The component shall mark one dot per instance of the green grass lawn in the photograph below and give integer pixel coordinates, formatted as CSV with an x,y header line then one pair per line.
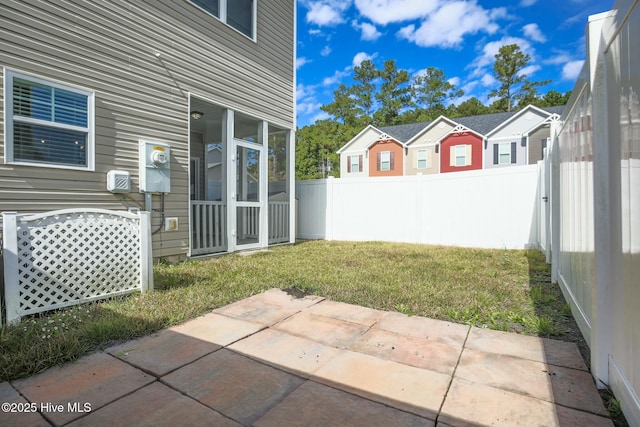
x,y
499,289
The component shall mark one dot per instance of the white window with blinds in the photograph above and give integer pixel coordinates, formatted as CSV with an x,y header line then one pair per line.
x,y
422,159
504,153
461,155
385,160
238,14
47,123
354,163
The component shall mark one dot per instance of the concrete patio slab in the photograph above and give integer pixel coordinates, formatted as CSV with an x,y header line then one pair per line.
x,y
97,379
268,307
325,330
421,327
236,386
472,404
217,329
413,351
15,414
316,405
154,405
162,352
415,390
347,312
555,384
297,355
274,359
553,352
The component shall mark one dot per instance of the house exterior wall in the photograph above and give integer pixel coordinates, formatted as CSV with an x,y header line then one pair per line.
x,y
535,144
397,154
142,60
463,138
358,147
512,131
433,160
518,156
427,140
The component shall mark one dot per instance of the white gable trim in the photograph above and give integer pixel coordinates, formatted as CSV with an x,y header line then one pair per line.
x,y
437,121
517,116
355,138
552,118
384,137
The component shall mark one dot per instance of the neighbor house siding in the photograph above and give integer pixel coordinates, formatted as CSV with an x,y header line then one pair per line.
x,y
535,144
142,59
464,138
357,146
397,152
520,152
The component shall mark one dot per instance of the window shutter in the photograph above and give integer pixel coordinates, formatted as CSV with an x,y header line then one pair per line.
x,y
513,152
348,164
360,163
495,154
469,153
391,160
452,155
378,161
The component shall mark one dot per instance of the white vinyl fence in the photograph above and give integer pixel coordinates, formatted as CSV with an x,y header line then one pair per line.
x,y
67,257
596,202
496,208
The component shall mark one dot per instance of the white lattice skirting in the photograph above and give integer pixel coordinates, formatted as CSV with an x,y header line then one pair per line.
x,y
67,257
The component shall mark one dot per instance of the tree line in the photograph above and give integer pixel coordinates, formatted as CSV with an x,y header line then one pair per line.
x,y
390,96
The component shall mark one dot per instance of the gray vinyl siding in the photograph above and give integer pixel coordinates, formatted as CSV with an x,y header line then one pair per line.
x,y
110,47
535,143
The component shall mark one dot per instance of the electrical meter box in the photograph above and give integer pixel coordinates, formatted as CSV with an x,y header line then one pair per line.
x,y
155,167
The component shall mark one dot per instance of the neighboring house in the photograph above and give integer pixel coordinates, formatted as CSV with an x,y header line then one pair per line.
x,y
386,156
85,82
354,160
509,144
461,150
449,145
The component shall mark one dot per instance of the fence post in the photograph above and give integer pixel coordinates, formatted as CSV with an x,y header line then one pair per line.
x,y
146,259
419,207
10,257
329,213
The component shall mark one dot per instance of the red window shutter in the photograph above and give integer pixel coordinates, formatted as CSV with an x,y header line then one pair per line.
x,y
378,162
360,163
391,160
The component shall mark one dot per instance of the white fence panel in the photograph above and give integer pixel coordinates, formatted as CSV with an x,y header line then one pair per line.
x,y
67,257
489,208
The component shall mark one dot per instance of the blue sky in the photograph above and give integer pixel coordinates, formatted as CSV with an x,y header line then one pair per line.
x,y
460,37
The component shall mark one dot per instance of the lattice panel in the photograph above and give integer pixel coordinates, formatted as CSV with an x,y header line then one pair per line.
x,y
68,258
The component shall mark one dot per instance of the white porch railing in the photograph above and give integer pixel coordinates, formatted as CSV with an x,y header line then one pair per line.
x,y
278,222
209,227
71,256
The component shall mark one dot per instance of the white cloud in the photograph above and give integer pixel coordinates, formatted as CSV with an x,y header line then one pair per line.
x,y
490,50
336,77
326,12
315,32
303,91
571,70
533,32
308,107
559,58
322,115
361,56
529,70
438,30
527,3
301,61
326,51
488,80
367,31
454,81
384,12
